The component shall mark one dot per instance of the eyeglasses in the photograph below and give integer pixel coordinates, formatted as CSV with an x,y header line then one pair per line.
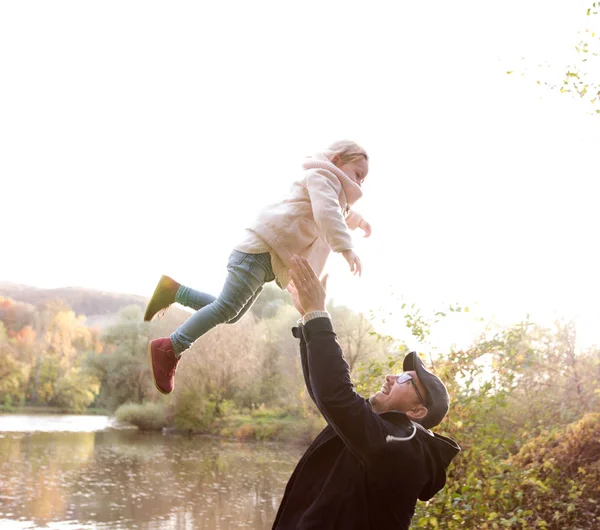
x,y
403,378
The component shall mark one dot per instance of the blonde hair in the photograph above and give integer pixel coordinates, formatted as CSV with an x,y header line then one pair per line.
x,y
347,150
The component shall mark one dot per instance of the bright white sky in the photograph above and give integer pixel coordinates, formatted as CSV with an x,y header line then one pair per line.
x,y
140,138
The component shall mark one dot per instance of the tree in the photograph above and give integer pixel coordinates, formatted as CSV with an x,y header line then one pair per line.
x,y
76,390
225,361
280,382
581,77
12,373
548,380
356,335
122,366
57,338
270,302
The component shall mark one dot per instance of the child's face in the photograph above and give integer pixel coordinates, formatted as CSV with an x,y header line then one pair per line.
x,y
357,169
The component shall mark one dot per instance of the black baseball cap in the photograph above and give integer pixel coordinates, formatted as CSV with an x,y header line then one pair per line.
x,y
437,399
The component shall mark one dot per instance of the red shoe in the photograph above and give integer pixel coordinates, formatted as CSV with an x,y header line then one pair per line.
x,y
162,298
164,363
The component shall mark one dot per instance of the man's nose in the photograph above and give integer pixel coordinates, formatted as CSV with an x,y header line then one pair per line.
x,y
390,378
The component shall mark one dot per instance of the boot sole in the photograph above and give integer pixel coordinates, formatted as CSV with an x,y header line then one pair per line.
x,y
152,370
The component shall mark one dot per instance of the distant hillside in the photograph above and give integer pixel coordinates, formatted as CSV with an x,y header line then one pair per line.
x,y
102,308
82,301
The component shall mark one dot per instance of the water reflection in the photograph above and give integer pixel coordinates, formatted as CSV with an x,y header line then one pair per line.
x,y
126,479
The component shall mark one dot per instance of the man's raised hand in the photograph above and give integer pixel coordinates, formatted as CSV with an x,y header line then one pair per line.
x,y
310,292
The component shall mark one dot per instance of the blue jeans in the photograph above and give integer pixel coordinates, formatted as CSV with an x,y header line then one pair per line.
x,y
247,275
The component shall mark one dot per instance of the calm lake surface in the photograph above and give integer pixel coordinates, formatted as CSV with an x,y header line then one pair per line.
x,y
78,472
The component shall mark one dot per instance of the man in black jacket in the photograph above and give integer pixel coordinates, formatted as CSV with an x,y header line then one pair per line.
x,y
376,457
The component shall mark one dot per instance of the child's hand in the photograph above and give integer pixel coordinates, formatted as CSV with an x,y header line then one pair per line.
x,y
365,227
353,260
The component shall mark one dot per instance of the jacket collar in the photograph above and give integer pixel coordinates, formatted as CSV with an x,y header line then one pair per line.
x,y
351,189
397,418
393,416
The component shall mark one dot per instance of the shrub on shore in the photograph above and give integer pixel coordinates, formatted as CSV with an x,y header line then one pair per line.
x,y
147,416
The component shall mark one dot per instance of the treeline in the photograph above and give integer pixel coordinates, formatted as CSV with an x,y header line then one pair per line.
x,y
49,357
42,353
525,408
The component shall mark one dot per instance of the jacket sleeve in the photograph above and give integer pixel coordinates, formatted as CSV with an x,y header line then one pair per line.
x,y
324,198
361,429
353,219
297,332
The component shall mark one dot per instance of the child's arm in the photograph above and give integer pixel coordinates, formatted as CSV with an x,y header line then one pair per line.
x,y
354,220
327,211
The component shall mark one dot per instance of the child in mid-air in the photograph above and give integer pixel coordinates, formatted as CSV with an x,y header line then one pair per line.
x,y
313,220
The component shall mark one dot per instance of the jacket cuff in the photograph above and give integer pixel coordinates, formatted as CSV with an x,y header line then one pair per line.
x,y
315,326
314,314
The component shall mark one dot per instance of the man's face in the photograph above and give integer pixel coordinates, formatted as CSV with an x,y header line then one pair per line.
x,y
399,396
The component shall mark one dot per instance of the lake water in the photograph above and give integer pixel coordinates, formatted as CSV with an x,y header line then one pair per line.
x,y
78,472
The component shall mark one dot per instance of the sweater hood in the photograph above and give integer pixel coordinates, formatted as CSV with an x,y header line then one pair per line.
x,y
351,189
437,450
441,451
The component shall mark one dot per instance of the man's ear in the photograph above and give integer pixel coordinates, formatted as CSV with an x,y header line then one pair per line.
x,y
417,412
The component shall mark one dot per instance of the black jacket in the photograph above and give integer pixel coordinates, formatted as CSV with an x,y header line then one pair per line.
x,y
355,475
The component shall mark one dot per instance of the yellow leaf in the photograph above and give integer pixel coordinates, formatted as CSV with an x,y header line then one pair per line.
x,y
509,72
433,521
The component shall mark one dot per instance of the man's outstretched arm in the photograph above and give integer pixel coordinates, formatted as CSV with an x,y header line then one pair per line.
x,y
327,373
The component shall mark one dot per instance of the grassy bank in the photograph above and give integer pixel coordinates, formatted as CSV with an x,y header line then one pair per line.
x,y
269,426
257,425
